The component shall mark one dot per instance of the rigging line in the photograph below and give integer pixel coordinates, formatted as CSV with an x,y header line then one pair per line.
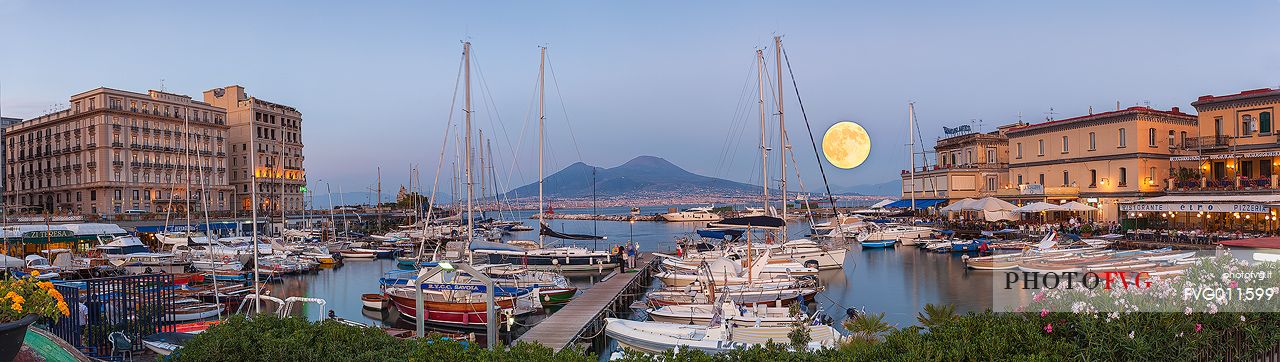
x,y
786,58
488,93
524,128
564,109
431,201
737,110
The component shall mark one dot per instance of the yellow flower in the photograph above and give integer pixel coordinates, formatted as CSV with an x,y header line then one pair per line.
x,y
17,299
17,307
55,294
35,273
62,307
45,285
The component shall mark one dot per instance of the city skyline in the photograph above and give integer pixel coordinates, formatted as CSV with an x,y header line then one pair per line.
x,y
666,79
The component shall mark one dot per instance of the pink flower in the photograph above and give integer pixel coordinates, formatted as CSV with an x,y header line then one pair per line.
x,y
1198,327
1234,284
1038,297
1044,312
1048,328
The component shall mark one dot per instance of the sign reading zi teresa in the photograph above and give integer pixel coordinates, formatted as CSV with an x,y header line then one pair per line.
x,y
1196,207
47,234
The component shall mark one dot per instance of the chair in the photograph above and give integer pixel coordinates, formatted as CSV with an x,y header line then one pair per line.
x,y
120,343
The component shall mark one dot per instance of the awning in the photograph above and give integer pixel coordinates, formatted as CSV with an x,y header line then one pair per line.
x,y
920,203
1255,243
1258,204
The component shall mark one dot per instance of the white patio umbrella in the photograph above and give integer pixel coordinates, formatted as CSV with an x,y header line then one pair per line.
x,y
1077,206
1039,207
959,205
989,204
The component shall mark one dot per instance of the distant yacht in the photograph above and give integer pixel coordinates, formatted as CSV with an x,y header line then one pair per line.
x,y
692,214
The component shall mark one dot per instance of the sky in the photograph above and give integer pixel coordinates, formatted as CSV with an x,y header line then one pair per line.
x,y
376,80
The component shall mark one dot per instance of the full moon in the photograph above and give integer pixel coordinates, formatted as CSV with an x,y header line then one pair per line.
x,y
846,145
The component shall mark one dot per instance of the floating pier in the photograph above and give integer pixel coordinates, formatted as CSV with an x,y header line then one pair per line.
x,y
583,318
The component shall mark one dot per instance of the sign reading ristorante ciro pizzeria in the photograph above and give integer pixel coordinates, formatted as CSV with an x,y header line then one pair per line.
x,y
1196,207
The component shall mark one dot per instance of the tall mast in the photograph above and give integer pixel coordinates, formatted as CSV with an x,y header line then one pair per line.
x,y
466,54
911,148
782,127
764,147
542,93
483,184
253,166
378,204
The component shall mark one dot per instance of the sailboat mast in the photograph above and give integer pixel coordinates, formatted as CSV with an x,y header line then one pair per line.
x,y
253,166
483,184
911,149
764,147
466,54
542,62
782,128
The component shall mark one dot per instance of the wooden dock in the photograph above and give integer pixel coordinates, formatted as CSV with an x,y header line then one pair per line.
x,y
583,318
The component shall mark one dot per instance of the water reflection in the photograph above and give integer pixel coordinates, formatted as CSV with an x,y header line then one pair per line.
x,y
897,281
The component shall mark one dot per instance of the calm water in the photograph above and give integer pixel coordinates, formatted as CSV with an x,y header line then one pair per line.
x,y
897,282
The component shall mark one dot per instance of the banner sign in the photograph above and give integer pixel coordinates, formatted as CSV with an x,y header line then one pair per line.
x,y
48,234
467,287
1227,156
1197,207
961,129
1031,189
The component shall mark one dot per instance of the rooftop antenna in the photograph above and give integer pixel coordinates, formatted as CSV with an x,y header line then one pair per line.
x,y
1049,115
1146,103
162,84
1090,110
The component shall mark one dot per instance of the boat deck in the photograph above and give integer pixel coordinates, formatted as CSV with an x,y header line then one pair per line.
x,y
583,318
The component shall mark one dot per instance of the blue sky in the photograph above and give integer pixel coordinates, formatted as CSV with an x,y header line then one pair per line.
x,y
374,79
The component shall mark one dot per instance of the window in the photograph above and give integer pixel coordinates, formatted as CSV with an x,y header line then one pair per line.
x,y
1066,178
1093,178
1123,142
1172,144
1217,126
1042,179
1041,142
1151,176
1019,150
1124,177
1093,141
1019,179
1246,168
991,183
1264,122
991,155
968,157
1151,137
1183,138
1064,144
1246,126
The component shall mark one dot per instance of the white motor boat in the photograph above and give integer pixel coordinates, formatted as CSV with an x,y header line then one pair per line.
x,y
810,254
692,214
129,252
658,337
703,314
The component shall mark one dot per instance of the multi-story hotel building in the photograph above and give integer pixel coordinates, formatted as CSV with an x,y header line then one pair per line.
x,y
1100,159
972,165
275,131
114,151
1235,147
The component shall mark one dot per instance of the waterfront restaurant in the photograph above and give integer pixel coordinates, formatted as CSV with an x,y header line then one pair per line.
x,y
1247,214
23,240
1234,149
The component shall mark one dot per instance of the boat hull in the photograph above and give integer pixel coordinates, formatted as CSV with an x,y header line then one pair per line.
x,y
871,244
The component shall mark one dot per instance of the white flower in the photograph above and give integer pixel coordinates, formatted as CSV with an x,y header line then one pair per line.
x,y
1242,317
1130,334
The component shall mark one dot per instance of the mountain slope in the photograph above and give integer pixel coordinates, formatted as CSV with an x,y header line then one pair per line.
x,y
643,175
887,188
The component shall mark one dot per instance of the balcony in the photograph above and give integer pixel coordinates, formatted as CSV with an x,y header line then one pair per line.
x,y
91,145
1235,185
117,163
1206,142
90,164
117,144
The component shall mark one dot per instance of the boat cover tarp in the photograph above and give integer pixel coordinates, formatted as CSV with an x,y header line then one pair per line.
x,y
546,231
489,245
727,234
769,222
920,203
